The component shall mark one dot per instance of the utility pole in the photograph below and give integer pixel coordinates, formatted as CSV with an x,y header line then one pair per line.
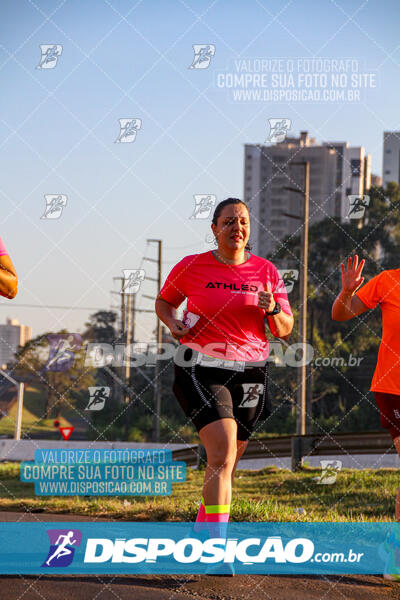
x,y
310,373
130,326
157,375
303,424
127,337
303,421
122,306
20,403
123,333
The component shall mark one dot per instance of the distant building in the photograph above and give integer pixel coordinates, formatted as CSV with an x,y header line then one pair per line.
x,y
12,335
336,171
391,157
376,180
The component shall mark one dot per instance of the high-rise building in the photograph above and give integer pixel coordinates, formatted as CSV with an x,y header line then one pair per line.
x,y
391,157
376,180
336,171
353,174
12,335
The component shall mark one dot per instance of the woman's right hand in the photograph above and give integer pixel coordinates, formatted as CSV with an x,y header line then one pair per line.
x,y
351,277
177,328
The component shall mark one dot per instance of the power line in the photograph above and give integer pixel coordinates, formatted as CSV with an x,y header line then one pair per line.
x,y
112,308
54,306
183,247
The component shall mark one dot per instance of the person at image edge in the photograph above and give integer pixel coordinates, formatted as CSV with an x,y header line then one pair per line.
x,y
8,276
353,300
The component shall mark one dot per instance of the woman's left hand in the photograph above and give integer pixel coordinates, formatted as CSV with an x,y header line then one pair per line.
x,y
266,299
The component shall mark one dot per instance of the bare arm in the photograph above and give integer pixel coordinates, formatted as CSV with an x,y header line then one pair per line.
x,y
167,314
8,277
347,305
281,324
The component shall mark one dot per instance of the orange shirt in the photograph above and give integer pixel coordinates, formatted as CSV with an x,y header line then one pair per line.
x,y
384,289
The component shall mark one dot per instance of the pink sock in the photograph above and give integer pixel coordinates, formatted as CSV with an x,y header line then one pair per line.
x,y
201,517
217,517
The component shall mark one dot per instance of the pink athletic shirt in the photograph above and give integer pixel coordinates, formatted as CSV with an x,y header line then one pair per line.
x,y
231,325
3,250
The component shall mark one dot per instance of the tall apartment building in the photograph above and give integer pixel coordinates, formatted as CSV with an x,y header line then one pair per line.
x,y
336,171
391,157
12,335
376,180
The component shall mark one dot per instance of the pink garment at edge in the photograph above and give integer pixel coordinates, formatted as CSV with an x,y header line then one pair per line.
x,y
231,325
207,516
212,519
3,250
201,515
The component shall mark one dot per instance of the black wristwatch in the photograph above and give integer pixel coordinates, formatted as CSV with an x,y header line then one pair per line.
x,y
276,310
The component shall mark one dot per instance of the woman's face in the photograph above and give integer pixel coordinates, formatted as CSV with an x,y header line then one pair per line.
x,y
233,227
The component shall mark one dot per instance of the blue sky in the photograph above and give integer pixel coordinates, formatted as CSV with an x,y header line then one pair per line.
x,y
130,59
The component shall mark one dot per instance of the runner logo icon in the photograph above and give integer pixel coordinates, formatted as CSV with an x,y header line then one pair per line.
x,y
357,206
50,53
204,203
202,56
251,394
128,130
278,129
55,204
98,396
62,547
62,348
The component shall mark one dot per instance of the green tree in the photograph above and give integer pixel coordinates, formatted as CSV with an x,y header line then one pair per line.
x,y
107,423
65,389
340,393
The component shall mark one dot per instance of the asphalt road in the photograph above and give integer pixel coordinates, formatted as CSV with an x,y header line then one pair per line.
x,y
169,587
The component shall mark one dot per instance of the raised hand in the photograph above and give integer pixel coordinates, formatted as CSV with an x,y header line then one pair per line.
x,y
266,298
351,277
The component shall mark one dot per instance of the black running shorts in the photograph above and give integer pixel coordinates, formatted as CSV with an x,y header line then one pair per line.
x,y
207,394
389,407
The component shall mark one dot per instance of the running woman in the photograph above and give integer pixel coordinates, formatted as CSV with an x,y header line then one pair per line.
x,y
384,289
221,371
8,276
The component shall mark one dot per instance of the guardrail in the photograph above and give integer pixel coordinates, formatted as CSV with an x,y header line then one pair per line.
x,y
297,446
285,446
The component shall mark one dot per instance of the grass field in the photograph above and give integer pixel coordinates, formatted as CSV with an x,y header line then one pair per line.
x,y
33,421
266,495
